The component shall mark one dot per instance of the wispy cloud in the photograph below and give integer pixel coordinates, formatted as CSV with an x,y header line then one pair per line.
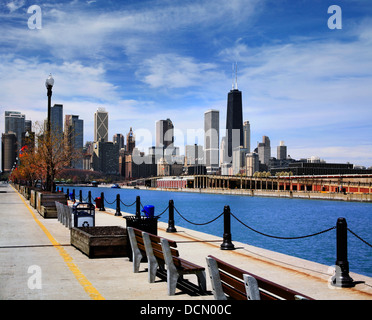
x,y
174,71
15,5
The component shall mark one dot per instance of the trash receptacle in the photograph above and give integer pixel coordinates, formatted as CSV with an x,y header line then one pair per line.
x,y
98,202
71,196
84,214
149,211
146,224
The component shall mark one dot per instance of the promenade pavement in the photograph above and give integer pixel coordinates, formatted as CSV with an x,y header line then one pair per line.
x,y
37,262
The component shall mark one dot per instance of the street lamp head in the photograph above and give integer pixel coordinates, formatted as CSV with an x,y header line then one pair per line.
x,y
49,82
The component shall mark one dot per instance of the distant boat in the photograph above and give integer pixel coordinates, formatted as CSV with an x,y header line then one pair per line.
x,y
115,186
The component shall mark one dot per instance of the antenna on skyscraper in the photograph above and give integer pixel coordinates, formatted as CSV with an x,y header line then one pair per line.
x,y
236,75
232,76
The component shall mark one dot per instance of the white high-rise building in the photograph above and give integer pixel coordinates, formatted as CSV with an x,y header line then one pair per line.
x,y
264,150
251,163
281,151
211,140
247,136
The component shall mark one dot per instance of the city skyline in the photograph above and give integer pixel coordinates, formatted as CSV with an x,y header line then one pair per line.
x,y
301,82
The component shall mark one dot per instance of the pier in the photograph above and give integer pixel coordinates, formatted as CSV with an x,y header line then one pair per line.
x,y
30,244
331,187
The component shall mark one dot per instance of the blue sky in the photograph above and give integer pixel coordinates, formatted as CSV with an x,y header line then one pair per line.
x,y
143,61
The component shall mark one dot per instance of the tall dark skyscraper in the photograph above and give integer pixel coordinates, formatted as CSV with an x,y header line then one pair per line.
x,y
57,119
234,121
164,133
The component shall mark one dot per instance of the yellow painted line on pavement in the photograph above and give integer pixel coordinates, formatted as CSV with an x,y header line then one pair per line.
x,y
84,282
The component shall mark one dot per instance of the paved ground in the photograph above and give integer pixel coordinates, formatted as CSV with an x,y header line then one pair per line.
x,y
38,263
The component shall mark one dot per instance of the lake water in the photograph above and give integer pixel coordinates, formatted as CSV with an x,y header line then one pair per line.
x,y
281,217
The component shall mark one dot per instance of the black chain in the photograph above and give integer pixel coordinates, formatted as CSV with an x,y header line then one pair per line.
x,y
368,244
128,205
110,202
197,224
163,211
285,238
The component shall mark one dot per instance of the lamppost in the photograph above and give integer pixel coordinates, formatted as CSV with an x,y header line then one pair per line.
x,y
49,82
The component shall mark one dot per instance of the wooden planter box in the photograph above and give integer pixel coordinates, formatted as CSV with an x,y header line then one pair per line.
x,y
101,242
45,203
33,198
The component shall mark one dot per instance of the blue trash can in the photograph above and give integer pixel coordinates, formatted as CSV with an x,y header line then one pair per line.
x,y
149,211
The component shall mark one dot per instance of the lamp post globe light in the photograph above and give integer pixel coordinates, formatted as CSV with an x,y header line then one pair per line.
x,y
49,82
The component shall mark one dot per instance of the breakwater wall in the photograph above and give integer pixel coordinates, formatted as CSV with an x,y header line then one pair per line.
x,y
336,196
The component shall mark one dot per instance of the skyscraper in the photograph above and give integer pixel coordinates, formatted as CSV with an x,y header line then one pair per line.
x,y
281,151
234,121
8,151
252,164
131,141
74,131
15,123
247,136
56,119
164,133
28,126
119,140
101,125
211,140
264,150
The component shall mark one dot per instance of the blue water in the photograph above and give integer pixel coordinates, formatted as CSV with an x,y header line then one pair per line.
x,y
274,216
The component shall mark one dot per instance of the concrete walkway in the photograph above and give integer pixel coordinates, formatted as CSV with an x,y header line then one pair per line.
x,y
37,262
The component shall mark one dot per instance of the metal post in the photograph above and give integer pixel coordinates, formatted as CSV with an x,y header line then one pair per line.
x,y
49,182
68,193
341,277
138,207
80,196
118,213
73,195
227,244
102,208
89,197
171,227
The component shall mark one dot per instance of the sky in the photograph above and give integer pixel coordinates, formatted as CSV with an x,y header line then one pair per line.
x,y
302,82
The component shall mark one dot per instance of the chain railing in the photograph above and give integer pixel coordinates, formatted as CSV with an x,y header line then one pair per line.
x,y
340,279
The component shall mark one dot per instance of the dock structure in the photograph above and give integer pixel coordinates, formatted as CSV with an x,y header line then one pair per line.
x,y
38,262
332,187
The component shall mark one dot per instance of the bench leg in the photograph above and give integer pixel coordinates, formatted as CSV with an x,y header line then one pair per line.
x,y
172,278
153,267
137,257
215,279
136,253
152,262
202,281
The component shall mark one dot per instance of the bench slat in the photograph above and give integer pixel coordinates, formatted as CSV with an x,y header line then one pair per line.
x,y
237,284
157,246
156,239
187,265
233,293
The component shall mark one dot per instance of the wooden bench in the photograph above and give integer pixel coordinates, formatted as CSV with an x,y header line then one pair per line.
x,y
163,256
229,282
